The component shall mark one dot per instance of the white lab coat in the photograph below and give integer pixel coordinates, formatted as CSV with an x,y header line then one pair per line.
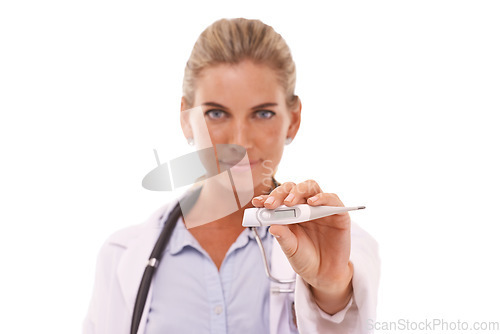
x,y
123,257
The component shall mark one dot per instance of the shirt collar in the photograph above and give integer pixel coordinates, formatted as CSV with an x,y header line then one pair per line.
x,y
180,238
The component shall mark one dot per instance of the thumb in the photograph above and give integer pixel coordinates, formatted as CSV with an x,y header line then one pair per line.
x,y
286,238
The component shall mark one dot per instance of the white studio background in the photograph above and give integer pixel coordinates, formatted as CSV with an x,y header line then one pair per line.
x,y
399,102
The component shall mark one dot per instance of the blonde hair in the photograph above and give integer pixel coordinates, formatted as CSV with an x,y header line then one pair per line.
x,y
233,40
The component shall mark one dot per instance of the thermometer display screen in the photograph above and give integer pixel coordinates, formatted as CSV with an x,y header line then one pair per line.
x,y
282,214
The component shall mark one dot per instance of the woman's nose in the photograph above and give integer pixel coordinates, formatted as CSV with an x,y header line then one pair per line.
x,y
241,135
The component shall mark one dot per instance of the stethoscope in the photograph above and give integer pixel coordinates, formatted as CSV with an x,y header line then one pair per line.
x,y
154,259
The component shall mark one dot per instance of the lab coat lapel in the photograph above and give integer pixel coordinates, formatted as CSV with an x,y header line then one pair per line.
x,y
132,265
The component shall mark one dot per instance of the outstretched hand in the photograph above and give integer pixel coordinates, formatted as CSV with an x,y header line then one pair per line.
x,y
318,250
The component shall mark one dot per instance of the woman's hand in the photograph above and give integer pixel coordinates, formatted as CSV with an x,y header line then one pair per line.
x,y
318,250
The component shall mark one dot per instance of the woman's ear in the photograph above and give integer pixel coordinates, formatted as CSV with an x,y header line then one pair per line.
x,y
186,126
295,112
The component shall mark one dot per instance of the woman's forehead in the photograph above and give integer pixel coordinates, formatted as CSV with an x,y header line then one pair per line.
x,y
242,81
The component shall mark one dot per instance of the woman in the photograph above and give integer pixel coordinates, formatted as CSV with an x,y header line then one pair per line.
x,y
239,90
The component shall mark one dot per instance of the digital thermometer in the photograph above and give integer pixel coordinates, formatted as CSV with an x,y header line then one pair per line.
x,y
284,215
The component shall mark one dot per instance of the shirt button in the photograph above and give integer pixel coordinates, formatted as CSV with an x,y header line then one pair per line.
x,y
218,309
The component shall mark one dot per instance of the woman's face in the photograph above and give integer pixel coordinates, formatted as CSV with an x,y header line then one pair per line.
x,y
244,104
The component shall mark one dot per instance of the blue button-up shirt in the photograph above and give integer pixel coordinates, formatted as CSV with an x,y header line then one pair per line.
x,y
190,295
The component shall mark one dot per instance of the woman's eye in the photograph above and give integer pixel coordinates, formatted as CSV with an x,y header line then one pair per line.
x,y
215,114
265,114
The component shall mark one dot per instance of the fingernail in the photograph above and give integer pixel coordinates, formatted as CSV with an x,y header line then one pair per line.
x,y
290,197
313,199
274,235
269,200
259,198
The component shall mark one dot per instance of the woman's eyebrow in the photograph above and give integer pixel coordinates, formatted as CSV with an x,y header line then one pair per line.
x,y
260,106
265,105
213,104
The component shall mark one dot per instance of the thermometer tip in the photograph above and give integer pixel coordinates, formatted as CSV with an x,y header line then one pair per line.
x,y
361,207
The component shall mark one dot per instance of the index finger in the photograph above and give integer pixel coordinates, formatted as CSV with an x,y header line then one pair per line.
x,y
302,191
278,194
